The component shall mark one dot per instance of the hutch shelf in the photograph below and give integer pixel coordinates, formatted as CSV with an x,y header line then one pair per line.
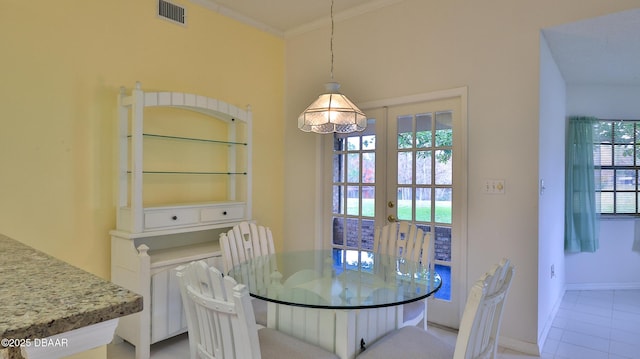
x,y
183,178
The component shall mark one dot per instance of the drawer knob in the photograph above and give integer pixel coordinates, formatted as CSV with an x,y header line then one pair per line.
x,y
224,213
174,218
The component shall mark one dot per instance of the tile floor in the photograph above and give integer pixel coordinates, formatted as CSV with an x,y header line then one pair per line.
x,y
596,324
589,325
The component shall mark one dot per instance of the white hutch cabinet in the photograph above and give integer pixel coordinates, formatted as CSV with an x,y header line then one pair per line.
x,y
183,178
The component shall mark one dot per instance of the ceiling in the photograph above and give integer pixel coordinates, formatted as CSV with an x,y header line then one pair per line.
x,y
602,50
598,51
285,17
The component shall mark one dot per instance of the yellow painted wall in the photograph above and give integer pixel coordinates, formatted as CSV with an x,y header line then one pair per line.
x,y
62,64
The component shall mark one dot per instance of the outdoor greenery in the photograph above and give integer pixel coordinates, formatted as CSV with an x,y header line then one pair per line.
x,y
442,208
615,131
444,138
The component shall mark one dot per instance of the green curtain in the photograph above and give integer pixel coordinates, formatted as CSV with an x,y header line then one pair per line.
x,y
581,215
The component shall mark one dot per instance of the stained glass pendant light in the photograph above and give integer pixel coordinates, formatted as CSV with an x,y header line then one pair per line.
x,y
332,111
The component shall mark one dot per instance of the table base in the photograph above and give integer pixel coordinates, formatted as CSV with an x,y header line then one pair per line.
x,y
337,330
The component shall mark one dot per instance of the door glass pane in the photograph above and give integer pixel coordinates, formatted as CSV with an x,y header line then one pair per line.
x,y
353,143
443,243
369,142
368,232
443,205
352,260
445,273
338,168
353,200
353,168
353,226
423,204
405,200
405,167
368,201
425,228
444,167
423,130
442,246
338,260
338,230
338,199
405,132
368,167
423,167
444,131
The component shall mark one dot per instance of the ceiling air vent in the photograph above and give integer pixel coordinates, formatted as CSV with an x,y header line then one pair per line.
x,y
171,12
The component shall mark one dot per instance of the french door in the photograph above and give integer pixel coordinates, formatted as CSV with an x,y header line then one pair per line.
x,y
408,165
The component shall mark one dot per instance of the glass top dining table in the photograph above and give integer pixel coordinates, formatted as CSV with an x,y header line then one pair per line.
x,y
336,279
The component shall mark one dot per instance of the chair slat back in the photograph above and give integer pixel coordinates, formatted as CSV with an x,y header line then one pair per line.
x,y
404,240
480,325
243,242
219,314
427,253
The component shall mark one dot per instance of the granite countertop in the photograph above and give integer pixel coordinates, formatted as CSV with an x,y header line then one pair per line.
x,y
41,296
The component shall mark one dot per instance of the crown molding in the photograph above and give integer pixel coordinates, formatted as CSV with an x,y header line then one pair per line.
x,y
317,24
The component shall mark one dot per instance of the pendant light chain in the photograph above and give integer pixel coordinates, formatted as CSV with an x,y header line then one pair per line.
x,y
331,41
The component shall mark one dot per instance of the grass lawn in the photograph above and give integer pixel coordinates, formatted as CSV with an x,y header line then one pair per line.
x,y
423,210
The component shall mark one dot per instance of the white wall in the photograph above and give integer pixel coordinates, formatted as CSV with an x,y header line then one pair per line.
x,y
551,197
610,101
417,46
614,265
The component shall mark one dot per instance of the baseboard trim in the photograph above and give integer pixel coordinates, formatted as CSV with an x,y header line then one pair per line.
x,y
519,346
602,286
549,322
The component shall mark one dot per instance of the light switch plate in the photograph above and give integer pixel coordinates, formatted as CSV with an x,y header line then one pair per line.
x,y
493,186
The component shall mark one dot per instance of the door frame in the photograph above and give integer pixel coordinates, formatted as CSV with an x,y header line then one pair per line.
x,y
460,251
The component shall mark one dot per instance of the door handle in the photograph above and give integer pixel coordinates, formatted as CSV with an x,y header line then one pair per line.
x,y
392,218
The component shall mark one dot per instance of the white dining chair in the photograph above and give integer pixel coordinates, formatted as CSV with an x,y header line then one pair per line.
x,y
479,328
407,241
221,321
245,241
